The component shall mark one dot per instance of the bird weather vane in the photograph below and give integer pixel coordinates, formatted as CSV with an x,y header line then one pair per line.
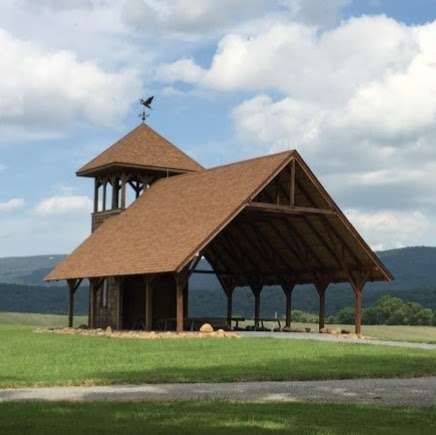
x,y
147,105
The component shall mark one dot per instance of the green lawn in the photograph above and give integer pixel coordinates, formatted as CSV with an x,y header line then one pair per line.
x,y
417,334
211,418
28,358
34,319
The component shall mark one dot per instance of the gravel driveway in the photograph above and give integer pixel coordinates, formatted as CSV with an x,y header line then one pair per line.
x,y
334,338
411,392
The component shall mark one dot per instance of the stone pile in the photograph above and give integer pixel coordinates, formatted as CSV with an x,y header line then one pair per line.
x,y
205,332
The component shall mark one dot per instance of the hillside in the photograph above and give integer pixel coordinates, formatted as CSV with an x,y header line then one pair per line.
x,y
22,289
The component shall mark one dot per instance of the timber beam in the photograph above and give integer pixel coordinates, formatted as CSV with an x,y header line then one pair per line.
x,y
265,207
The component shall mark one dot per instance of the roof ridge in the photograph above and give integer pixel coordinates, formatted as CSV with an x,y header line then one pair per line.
x,y
145,147
252,159
109,147
172,144
215,168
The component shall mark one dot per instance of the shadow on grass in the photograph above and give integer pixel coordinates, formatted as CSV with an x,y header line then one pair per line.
x,y
211,418
277,369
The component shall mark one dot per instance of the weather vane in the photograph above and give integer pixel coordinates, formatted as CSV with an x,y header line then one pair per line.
x,y
147,105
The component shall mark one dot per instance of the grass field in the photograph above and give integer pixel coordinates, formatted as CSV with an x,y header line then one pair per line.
x,y
418,334
212,418
33,319
28,358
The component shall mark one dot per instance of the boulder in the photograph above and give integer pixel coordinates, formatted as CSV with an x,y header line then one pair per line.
x,y
108,330
207,328
334,331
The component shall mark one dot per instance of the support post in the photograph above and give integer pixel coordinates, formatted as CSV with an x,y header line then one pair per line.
x,y
257,290
229,308
292,185
96,189
94,306
148,323
115,185
186,300
321,288
119,323
358,281
90,305
179,303
287,289
123,191
104,195
228,285
95,284
358,311
73,285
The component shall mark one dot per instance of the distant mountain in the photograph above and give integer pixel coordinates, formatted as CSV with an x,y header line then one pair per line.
x,y
414,270
27,270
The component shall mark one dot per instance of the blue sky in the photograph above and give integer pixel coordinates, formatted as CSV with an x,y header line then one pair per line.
x,y
350,84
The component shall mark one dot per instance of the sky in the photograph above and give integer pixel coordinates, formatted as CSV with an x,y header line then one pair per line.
x,y
350,84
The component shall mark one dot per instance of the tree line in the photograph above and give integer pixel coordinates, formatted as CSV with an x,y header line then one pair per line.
x,y
389,310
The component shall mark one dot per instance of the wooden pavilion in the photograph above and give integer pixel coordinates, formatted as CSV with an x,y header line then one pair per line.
x,y
259,222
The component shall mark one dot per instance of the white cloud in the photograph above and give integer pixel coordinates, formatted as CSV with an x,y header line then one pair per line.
x,y
2,167
357,101
316,12
11,205
386,229
63,205
44,89
182,70
61,4
202,18
192,16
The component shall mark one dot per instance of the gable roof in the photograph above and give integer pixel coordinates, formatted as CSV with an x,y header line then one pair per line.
x,y
170,222
142,148
182,215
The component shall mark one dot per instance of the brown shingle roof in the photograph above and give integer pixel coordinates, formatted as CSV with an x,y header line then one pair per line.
x,y
142,147
170,222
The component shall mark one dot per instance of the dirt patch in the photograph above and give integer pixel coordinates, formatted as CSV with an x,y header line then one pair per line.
x,y
146,335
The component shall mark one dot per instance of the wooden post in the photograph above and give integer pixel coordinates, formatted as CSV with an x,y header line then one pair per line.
x,y
94,306
179,303
287,289
95,284
228,285
256,289
96,188
229,308
148,304
292,185
73,285
90,305
119,303
123,191
358,281
358,311
186,300
321,288
115,182
104,195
